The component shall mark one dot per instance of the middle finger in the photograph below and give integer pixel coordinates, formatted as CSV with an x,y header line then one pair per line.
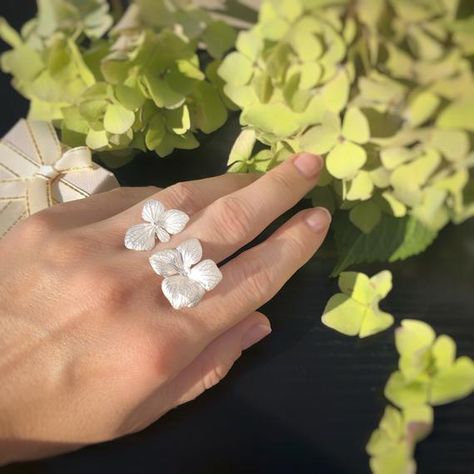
x,y
237,218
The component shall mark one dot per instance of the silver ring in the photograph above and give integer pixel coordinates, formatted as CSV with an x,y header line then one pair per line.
x,y
159,223
186,276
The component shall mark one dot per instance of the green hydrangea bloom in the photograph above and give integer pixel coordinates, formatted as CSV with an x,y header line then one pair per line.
x,y
391,446
356,310
384,89
429,371
142,86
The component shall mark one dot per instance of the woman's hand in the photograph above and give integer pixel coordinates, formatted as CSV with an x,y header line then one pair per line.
x,y
90,349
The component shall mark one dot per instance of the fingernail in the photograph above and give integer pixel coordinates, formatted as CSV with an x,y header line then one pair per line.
x,y
255,334
318,219
308,165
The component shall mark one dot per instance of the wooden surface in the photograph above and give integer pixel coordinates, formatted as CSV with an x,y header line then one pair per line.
x,y
306,399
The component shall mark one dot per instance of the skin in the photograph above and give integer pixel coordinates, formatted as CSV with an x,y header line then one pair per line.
x,y
90,350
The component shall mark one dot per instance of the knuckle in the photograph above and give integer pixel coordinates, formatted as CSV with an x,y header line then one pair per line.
x,y
297,248
213,373
184,196
68,247
259,282
39,224
281,180
233,219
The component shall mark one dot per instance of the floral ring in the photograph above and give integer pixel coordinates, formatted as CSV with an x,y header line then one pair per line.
x,y
159,223
186,277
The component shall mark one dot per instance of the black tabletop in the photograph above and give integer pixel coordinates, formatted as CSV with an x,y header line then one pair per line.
x,y
306,399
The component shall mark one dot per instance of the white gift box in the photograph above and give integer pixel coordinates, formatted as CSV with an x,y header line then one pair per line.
x,y
37,171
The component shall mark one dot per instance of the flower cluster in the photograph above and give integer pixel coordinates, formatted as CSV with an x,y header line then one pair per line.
x,y
383,88
429,374
139,85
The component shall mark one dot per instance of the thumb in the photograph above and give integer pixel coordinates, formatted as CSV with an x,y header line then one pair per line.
x,y
213,364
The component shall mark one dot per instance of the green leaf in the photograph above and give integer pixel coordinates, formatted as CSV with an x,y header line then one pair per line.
x,y
118,119
345,159
417,238
365,216
391,239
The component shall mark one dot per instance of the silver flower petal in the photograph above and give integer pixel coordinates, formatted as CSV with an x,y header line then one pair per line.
x,y
140,237
162,235
207,274
174,221
191,252
182,292
153,211
167,263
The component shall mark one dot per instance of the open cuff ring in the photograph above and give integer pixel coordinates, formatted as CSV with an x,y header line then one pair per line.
x,y
186,277
159,223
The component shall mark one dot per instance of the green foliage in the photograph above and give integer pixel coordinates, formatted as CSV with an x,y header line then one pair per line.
x,y
384,89
356,310
390,239
429,374
141,86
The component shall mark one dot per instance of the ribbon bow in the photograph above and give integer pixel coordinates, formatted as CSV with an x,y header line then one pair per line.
x,y
34,158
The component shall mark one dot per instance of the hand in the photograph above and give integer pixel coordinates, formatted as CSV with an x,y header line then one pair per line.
x,y
90,349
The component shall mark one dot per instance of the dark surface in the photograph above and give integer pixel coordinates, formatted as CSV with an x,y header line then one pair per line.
x,y
306,399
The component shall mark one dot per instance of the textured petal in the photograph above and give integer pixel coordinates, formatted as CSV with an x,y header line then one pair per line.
x,y
207,274
175,221
162,235
182,292
166,262
153,211
191,252
140,237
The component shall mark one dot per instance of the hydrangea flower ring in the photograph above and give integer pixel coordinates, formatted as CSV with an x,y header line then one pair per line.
x,y
186,277
159,223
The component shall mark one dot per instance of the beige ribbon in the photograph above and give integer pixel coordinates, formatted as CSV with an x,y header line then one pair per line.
x,y
32,175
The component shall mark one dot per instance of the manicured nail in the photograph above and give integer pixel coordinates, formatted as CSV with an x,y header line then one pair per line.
x,y
308,165
318,219
255,334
